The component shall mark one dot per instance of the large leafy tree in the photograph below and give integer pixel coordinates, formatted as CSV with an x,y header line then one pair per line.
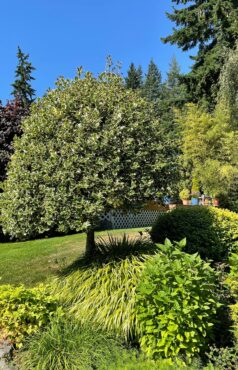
x,y
89,146
211,27
10,126
134,78
22,89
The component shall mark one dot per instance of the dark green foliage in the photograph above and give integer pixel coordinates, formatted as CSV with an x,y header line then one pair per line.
x,y
134,79
212,27
152,84
102,290
22,89
68,345
223,358
174,91
11,116
176,303
211,232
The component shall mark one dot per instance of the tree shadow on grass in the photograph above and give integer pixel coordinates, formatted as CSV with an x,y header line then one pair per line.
x,y
111,249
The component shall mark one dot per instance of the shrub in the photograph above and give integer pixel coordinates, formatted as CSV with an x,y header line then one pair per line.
x,y
232,282
209,231
23,311
103,290
132,361
222,359
68,345
176,304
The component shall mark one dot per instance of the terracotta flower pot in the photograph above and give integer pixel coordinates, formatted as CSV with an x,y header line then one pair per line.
x,y
215,202
206,202
186,202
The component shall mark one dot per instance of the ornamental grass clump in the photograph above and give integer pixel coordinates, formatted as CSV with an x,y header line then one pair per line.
x,y
68,345
176,303
103,290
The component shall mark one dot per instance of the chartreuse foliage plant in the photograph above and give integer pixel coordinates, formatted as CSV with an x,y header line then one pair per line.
x,y
24,311
211,232
103,290
232,282
88,146
207,142
176,303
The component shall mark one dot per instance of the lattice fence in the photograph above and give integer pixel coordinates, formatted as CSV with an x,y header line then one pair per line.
x,y
119,220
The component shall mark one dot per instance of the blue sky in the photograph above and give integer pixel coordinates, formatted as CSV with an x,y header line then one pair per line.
x,y
61,35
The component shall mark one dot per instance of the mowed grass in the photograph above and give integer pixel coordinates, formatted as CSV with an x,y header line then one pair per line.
x,y
34,261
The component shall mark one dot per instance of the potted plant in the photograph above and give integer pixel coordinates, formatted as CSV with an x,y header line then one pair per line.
x,y
172,203
215,200
185,196
195,192
195,200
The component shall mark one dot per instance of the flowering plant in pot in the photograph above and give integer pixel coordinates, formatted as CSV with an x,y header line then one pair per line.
x,y
185,196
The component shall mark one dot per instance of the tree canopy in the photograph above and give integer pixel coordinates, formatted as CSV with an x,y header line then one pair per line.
x,y
209,150
134,78
88,146
152,84
10,126
210,26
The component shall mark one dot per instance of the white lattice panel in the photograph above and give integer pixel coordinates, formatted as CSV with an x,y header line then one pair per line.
x,y
120,220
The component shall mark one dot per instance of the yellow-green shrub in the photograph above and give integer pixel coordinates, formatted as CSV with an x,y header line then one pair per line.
x,y
176,303
232,281
23,311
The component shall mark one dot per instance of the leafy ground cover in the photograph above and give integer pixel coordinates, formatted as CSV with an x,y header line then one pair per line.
x,y
34,261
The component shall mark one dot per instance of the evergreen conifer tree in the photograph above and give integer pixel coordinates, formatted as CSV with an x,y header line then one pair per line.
x,y
22,89
212,27
174,89
134,79
152,84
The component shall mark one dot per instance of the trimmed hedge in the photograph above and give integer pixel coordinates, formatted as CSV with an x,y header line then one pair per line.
x,y
210,231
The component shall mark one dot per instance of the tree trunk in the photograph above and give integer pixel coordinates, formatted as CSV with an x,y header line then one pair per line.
x,y
90,242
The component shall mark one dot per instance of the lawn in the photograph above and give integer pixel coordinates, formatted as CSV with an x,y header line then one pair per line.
x,y
34,261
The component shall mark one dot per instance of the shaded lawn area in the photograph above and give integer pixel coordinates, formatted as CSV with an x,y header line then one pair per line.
x,y
34,261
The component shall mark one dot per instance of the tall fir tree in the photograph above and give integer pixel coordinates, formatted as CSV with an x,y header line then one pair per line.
x,y
153,83
174,88
134,79
22,89
212,27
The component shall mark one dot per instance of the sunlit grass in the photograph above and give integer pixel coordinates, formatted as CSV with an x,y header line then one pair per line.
x,y
34,261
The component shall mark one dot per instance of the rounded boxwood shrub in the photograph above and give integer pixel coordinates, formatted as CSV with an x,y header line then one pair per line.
x,y
176,303
210,231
